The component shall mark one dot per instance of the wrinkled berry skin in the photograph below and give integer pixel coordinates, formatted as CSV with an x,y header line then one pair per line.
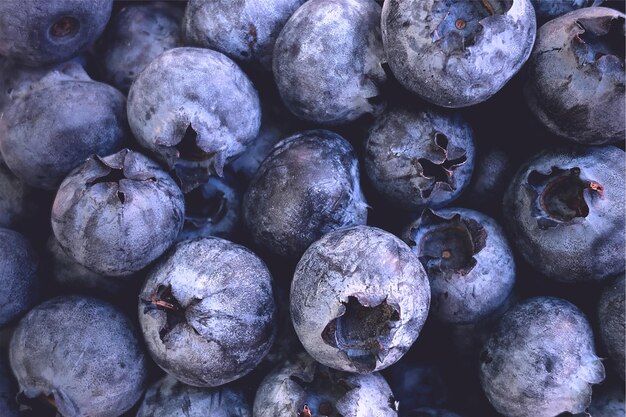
x,y
611,321
37,33
418,159
359,298
457,53
136,36
244,30
307,187
328,61
575,83
549,9
212,209
81,351
19,277
116,214
564,210
63,119
207,312
468,260
325,391
170,398
8,391
539,361
193,130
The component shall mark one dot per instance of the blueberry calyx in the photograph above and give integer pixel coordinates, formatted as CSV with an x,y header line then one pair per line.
x,y
203,208
322,392
65,27
448,244
362,330
599,37
163,299
439,168
559,196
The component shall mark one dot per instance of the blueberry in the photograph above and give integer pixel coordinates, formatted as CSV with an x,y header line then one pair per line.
x,y
539,361
416,384
59,122
245,30
19,275
419,159
38,33
80,354
607,402
170,398
430,412
137,35
549,9
611,321
575,83
564,209
457,53
468,261
307,187
207,312
304,388
328,61
194,130
213,209
8,391
69,274
116,214
359,298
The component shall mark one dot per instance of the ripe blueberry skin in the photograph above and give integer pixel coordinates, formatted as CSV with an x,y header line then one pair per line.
x,y
116,214
549,9
468,260
419,159
207,312
170,398
564,211
19,275
36,33
8,391
328,61
457,55
244,30
194,131
307,187
540,360
300,382
212,209
81,351
575,83
611,321
136,36
359,298
57,123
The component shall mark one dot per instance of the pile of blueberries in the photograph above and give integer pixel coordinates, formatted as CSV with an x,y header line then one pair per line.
x,y
292,208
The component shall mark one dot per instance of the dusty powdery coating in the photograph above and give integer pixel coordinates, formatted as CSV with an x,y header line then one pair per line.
x,y
81,353
195,109
38,33
539,361
328,61
115,215
457,53
359,298
611,321
137,35
468,261
564,209
19,277
170,398
245,30
575,83
212,209
57,123
420,158
303,385
207,312
307,187
549,9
